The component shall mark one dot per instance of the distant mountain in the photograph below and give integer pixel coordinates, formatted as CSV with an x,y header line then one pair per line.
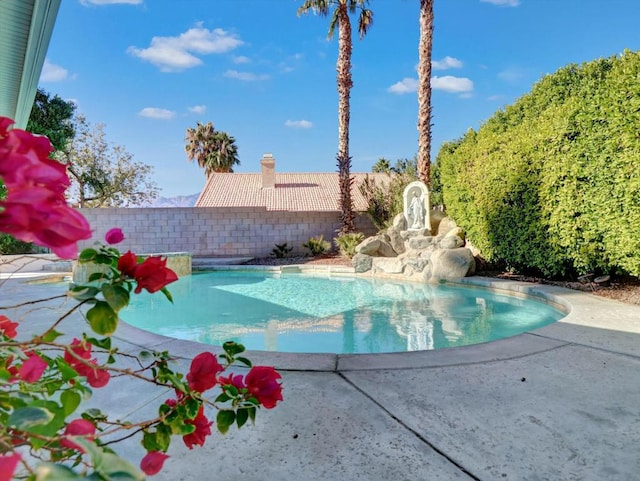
x,y
178,201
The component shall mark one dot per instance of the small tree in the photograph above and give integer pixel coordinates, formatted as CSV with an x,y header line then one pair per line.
x,y
53,117
215,151
103,175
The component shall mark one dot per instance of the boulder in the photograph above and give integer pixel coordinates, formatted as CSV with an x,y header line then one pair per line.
x,y
362,263
451,264
399,222
396,240
388,265
446,224
369,246
420,242
385,249
456,231
451,242
417,263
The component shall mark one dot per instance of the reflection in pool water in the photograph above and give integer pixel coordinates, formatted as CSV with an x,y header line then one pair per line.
x,y
301,313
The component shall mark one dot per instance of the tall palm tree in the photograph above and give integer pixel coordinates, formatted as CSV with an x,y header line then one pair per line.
x,y
424,91
215,151
340,19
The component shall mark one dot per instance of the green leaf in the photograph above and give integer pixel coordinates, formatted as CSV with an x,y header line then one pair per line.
x,y
102,319
233,348
70,401
244,361
252,414
104,343
167,294
82,293
51,336
28,417
97,276
224,420
116,296
54,472
87,255
222,398
241,417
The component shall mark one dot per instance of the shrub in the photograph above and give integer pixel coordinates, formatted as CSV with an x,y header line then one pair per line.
x,y
347,243
281,250
10,245
551,183
317,245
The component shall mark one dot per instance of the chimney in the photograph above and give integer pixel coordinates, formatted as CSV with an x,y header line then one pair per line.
x,y
268,171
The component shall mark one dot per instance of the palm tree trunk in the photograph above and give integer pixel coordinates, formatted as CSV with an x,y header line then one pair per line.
x,y
424,91
344,91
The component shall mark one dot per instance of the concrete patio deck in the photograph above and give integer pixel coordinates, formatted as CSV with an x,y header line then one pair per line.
x,y
557,403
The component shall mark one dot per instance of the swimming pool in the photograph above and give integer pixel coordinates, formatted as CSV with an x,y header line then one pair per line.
x,y
312,313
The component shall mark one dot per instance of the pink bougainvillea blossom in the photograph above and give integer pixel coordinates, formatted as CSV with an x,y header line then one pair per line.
x,y
152,463
128,263
114,236
35,209
153,275
78,427
203,429
7,327
33,368
96,376
236,380
262,383
8,464
203,371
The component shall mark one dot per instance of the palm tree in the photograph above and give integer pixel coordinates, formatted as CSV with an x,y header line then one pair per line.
x,y
340,19
215,151
424,91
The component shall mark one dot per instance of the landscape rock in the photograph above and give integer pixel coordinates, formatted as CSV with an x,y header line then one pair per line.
x,y
451,242
446,225
450,264
420,242
388,265
385,249
369,246
396,240
362,263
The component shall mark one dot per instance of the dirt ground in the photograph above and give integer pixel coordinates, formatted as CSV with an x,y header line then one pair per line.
x,y
623,289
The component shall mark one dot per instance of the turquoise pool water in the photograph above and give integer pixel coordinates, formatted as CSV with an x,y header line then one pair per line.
x,y
301,313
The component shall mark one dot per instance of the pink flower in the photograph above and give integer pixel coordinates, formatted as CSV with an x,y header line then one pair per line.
x,y
203,429
8,462
152,463
234,380
78,427
114,236
128,263
203,371
7,327
32,368
96,376
262,383
80,348
153,275
35,209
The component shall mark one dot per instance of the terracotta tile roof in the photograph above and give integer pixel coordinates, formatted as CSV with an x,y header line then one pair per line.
x,y
298,192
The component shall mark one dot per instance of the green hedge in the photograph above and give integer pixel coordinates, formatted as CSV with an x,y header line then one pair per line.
x,y
552,183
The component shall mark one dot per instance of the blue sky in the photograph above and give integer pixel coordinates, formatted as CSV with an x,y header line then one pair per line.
x,y
149,69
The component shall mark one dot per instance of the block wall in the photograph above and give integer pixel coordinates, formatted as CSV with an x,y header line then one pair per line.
x,y
215,232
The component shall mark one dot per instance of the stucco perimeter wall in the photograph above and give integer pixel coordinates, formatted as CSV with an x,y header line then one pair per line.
x,y
235,231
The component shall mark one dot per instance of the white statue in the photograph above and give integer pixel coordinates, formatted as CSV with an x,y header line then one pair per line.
x,y
416,211
416,206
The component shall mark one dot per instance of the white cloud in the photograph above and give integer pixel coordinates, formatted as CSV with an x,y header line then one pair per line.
x,y
198,109
245,76
52,73
173,54
156,113
405,86
446,63
298,124
241,59
505,3
451,84
110,2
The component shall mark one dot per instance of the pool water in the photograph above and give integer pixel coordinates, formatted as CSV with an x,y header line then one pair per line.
x,y
302,313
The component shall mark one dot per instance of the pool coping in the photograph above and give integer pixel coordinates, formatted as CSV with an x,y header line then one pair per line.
x,y
578,305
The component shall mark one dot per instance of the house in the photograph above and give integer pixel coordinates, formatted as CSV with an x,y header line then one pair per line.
x,y
285,192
